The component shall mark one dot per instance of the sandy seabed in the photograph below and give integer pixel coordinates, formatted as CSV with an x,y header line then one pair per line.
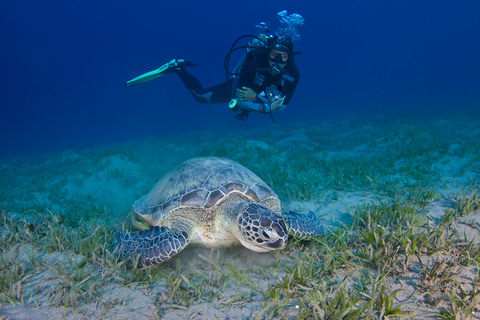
x,y
60,211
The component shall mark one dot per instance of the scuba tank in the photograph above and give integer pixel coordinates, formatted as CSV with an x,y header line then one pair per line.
x,y
259,42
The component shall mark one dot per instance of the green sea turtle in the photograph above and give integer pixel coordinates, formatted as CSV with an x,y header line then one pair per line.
x,y
212,201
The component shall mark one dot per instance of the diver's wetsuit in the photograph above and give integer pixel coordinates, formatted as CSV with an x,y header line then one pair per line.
x,y
215,94
254,74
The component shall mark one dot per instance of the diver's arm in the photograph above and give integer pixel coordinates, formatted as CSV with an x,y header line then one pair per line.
x,y
247,99
261,106
254,106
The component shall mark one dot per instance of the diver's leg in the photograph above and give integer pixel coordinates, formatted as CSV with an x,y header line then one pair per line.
x,y
215,94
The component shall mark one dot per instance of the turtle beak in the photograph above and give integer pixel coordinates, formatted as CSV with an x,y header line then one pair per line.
x,y
281,243
282,234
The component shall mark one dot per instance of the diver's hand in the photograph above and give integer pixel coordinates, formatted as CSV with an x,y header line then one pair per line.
x,y
274,106
246,94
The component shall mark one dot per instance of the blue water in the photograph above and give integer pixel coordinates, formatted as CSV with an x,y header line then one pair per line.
x,y
64,63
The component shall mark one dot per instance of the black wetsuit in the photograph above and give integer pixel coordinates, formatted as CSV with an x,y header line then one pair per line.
x,y
253,74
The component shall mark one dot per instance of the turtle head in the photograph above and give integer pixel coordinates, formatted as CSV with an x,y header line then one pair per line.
x,y
261,229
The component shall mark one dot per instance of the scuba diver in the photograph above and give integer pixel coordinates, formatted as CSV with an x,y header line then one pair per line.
x,y
263,81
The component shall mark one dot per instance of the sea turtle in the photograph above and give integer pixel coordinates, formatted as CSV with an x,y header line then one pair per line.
x,y
213,201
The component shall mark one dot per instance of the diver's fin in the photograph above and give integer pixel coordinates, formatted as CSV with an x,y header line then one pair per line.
x,y
175,64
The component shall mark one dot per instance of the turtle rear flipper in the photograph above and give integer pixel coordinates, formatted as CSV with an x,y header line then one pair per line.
x,y
303,225
154,246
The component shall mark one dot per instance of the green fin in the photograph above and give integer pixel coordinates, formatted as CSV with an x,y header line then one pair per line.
x,y
149,75
175,63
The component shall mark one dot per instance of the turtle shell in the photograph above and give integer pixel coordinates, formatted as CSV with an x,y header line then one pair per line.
x,y
199,185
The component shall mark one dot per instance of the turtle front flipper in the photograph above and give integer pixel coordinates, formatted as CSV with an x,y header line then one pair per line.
x,y
154,246
303,225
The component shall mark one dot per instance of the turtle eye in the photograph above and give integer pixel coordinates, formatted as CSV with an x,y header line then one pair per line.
x,y
269,233
265,235
279,228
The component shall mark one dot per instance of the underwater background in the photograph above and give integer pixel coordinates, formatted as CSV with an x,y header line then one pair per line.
x,y
64,65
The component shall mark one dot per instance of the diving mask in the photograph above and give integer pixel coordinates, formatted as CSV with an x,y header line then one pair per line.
x,y
277,56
